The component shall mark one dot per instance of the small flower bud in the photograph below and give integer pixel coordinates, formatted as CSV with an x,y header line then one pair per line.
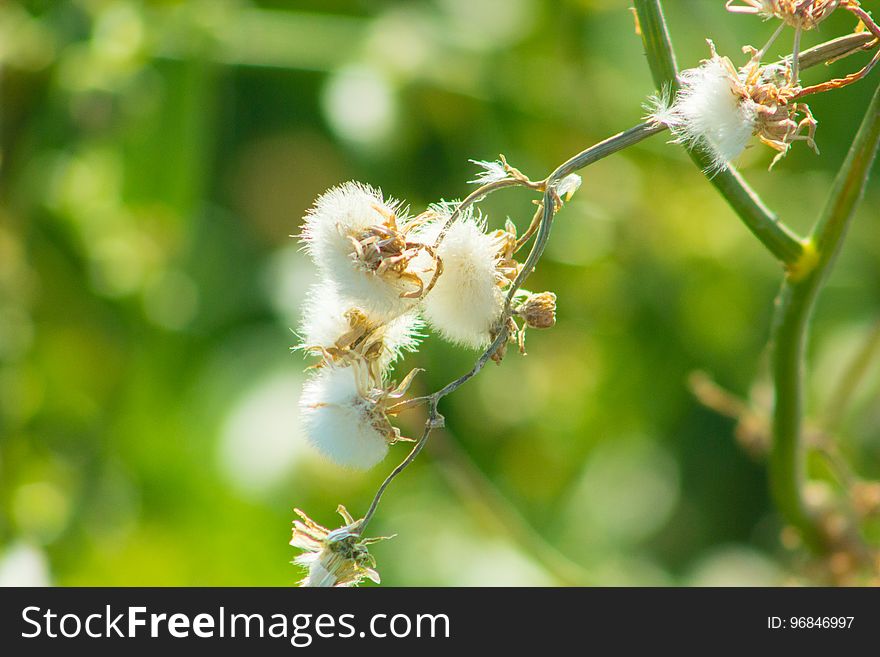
x,y
539,310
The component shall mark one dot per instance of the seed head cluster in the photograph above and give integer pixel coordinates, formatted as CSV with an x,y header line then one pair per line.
x,y
385,277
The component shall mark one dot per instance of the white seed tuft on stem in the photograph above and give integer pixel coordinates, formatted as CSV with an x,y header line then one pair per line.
x,y
358,241
491,172
334,326
343,420
467,300
711,110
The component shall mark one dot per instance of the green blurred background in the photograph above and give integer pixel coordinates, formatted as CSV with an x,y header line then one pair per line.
x,y
156,158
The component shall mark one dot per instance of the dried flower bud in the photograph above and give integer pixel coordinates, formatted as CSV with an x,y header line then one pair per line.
x,y
333,558
720,108
539,310
802,14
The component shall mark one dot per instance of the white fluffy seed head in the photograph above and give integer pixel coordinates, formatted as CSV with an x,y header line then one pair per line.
x,y
709,110
323,316
491,172
466,302
326,320
340,421
399,336
343,216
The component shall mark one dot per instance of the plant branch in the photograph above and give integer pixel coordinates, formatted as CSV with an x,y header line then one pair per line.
x,y
778,239
766,226
794,310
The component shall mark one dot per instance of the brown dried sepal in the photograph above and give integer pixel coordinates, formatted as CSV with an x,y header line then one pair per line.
x,y
384,250
802,14
506,268
772,91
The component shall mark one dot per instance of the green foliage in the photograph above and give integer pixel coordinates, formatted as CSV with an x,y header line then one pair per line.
x,y
156,158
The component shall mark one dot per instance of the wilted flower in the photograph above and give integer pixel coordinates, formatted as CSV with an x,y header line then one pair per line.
x,y
802,14
719,108
336,557
538,310
358,241
345,414
771,90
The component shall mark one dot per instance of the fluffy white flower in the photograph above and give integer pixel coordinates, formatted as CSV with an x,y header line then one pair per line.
x,y
341,420
466,302
329,320
357,240
710,110
348,209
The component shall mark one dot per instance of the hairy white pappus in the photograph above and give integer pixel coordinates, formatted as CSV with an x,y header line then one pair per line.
x,y
708,110
341,233
340,421
328,317
466,301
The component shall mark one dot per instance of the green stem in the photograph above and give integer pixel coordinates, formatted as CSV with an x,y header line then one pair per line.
x,y
766,226
793,312
786,455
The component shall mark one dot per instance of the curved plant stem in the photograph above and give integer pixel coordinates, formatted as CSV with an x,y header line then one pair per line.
x,y
793,312
765,225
